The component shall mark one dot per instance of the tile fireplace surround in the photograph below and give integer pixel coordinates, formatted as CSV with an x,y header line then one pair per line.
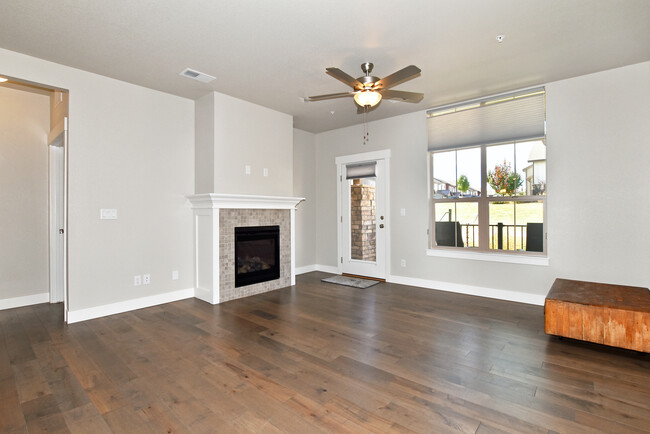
x,y
215,219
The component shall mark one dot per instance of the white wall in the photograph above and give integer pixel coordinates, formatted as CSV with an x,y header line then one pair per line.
x,y
204,149
24,126
598,151
132,149
249,134
304,185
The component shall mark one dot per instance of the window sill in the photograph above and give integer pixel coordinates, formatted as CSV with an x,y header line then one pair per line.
x,y
492,257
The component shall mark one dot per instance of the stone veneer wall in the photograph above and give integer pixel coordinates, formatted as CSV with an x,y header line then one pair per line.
x,y
231,218
362,221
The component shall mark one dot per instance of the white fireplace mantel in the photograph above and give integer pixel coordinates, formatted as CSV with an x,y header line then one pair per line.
x,y
234,201
206,235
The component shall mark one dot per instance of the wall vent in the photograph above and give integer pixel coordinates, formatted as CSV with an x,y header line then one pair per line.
x,y
196,75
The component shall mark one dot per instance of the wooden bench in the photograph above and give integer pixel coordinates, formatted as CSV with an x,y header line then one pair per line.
x,y
613,315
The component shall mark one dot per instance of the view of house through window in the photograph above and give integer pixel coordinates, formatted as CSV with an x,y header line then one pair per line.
x,y
490,197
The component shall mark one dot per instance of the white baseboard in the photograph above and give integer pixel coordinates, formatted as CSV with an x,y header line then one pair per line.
x,y
128,305
499,294
317,267
305,269
26,300
327,269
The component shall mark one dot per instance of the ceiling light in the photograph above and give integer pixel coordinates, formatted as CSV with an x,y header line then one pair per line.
x,y
367,98
2,79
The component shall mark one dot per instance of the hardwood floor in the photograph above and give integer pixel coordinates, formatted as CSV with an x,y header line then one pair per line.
x,y
316,357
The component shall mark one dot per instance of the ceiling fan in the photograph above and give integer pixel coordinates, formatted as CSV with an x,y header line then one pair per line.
x,y
369,90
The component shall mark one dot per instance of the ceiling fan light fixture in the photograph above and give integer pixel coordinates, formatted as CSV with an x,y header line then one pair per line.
x,y
367,98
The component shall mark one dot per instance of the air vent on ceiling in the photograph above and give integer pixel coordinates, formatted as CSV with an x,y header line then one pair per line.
x,y
196,75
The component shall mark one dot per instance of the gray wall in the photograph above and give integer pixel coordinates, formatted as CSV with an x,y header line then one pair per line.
x,y
598,178
231,134
249,134
24,125
132,149
304,185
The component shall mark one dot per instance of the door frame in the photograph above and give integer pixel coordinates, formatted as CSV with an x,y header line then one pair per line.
x,y
364,157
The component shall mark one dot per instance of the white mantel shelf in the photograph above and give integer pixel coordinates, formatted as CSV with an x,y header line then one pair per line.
x,y
235,201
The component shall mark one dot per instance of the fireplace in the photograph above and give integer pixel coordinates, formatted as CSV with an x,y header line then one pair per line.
x,y
257,253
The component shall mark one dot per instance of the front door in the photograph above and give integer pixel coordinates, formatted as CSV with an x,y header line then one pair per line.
x,y
363,218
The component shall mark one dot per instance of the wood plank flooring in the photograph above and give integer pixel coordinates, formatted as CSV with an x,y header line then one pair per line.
x,y
315,357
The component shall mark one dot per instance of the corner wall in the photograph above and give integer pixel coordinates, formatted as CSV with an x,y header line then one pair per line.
x,y
598,146
249,134
304,185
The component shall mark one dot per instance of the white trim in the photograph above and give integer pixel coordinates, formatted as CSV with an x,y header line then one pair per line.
x,y
317,267
292,243
241,201
26,300
363,157
491,257
339,214
306,269
459,288
128,305
327,269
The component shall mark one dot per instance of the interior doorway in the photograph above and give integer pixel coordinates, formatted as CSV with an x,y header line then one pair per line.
x,y
51,143
363,214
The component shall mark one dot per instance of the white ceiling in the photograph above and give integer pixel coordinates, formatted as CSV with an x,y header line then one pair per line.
x,y
274,52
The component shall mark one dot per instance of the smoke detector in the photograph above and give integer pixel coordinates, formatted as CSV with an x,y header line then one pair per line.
x,y
196,75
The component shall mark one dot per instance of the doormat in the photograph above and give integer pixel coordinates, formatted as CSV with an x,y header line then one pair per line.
x,y
354,282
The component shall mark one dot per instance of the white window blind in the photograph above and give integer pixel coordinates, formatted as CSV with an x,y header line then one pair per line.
x,y
508,117
357,171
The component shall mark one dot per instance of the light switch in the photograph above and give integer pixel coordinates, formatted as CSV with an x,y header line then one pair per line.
x,y
402,212
108,214
247,169
265,172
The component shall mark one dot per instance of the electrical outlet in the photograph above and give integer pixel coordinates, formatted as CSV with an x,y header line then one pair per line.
x,y
402,212
403,262
247,169
175,275
137,280
146,279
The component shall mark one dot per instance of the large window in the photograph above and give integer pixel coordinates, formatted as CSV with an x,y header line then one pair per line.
x,y
488,190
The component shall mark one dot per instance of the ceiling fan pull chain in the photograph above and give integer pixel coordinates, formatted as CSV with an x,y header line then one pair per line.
x,y
365,125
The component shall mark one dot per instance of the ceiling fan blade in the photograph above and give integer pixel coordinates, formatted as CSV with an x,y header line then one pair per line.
x,y
398,77
329,96
345,78
401,95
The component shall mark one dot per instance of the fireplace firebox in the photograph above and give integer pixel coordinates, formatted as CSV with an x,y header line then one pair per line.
x,y
257,253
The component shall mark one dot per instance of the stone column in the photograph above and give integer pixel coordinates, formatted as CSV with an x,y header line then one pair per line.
x,y
362,221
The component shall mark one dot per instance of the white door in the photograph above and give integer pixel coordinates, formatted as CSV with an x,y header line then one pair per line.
x,y
56,221
58,151
363,218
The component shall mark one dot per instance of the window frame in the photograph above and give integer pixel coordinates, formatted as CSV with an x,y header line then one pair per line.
x,y
483,251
